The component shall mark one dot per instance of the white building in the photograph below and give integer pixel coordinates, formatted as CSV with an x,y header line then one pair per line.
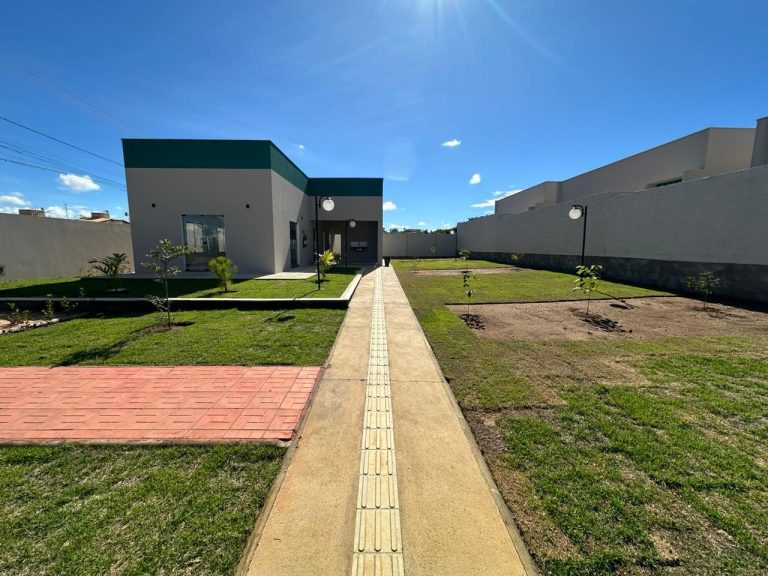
x,y
247,200
709,152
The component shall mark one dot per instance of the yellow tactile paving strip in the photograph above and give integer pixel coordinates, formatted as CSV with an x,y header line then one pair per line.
x,y
378,545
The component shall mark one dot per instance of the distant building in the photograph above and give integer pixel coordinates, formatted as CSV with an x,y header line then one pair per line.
x,y
709,152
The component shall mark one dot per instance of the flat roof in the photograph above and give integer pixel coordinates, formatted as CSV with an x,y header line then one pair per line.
x,y
240,155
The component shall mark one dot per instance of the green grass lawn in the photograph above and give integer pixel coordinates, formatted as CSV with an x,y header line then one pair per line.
x,y
130,510
443,264
291,337
522,285
96,287
615,456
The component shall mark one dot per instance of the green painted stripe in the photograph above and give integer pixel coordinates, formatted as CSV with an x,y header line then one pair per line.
x,y
240,155
237,154
346,187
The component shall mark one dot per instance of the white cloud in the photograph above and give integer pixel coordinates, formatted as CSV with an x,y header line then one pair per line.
x,y
498,195
14,198
388,206
475,178
301,146
451,143
421,223
400,227
7,210
77,183
71,211
56,212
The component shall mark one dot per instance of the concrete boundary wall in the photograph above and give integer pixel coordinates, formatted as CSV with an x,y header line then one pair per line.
x,y
419,244
654,237
33,247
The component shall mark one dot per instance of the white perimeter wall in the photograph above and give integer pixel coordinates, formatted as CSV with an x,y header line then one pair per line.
x,y
417,245
721,219
33,247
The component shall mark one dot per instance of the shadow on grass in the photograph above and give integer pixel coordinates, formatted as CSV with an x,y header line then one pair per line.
x,y
100,354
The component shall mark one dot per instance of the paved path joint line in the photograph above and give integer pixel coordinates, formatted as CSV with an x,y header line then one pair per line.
x,y
378,545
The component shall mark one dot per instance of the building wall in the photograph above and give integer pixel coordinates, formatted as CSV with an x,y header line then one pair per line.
x,y
541,194
648,236
705,153
289,204
35,247
418,245
177,191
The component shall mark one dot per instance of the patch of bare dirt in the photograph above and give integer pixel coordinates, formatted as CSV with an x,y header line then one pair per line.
x,y
477,271
647,318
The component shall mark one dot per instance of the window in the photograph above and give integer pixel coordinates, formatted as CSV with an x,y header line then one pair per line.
x,y
204,235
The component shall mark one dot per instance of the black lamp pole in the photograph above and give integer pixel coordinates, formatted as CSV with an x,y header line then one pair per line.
x,y
583,210
317,238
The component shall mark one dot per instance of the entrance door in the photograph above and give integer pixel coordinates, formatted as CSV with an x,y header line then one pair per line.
x,y
204,236
294,247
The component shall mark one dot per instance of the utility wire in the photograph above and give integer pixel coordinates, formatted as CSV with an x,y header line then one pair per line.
x,y
63,163
57,140
71,98
116,184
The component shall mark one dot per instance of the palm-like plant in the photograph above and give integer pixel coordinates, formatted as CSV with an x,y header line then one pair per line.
x,y
327,261
110,266
224,269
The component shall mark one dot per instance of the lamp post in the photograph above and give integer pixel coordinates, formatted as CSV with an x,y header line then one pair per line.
x,y
328,205
348,223
580,211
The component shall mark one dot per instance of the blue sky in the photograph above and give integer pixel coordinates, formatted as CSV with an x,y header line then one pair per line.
x,y
532,89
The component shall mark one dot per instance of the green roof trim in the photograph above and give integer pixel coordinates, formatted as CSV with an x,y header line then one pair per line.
x,y
346,187
236,154
240,155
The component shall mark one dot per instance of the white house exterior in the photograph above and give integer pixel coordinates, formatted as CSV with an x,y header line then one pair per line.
x,y
247,200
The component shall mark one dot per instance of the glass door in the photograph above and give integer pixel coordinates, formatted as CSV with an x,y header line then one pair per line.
x,y
205,237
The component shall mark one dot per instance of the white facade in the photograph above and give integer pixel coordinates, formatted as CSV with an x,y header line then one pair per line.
x,y
264,216
705,153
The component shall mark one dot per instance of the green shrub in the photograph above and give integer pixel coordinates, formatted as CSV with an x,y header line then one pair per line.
x,y
224,269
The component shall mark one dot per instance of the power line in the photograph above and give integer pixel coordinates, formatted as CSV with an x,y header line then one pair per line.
x,y
64,163
27,75
57,140
112,182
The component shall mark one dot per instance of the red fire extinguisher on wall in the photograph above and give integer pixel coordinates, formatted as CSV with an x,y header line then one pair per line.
x,y
304,239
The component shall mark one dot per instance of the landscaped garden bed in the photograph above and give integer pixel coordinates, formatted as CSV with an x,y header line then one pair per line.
x,y
100,287
644,318
290,337
637,452
90,510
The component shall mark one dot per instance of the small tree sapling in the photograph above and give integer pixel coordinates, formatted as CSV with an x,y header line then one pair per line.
x,y
704,283
588,280
160,258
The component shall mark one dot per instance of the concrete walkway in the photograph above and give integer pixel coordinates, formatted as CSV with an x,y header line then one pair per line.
x,y
430,507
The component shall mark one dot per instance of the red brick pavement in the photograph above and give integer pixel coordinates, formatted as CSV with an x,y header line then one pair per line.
x,y
134,403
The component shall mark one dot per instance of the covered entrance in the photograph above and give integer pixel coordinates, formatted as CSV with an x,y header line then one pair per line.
x,y
356,244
